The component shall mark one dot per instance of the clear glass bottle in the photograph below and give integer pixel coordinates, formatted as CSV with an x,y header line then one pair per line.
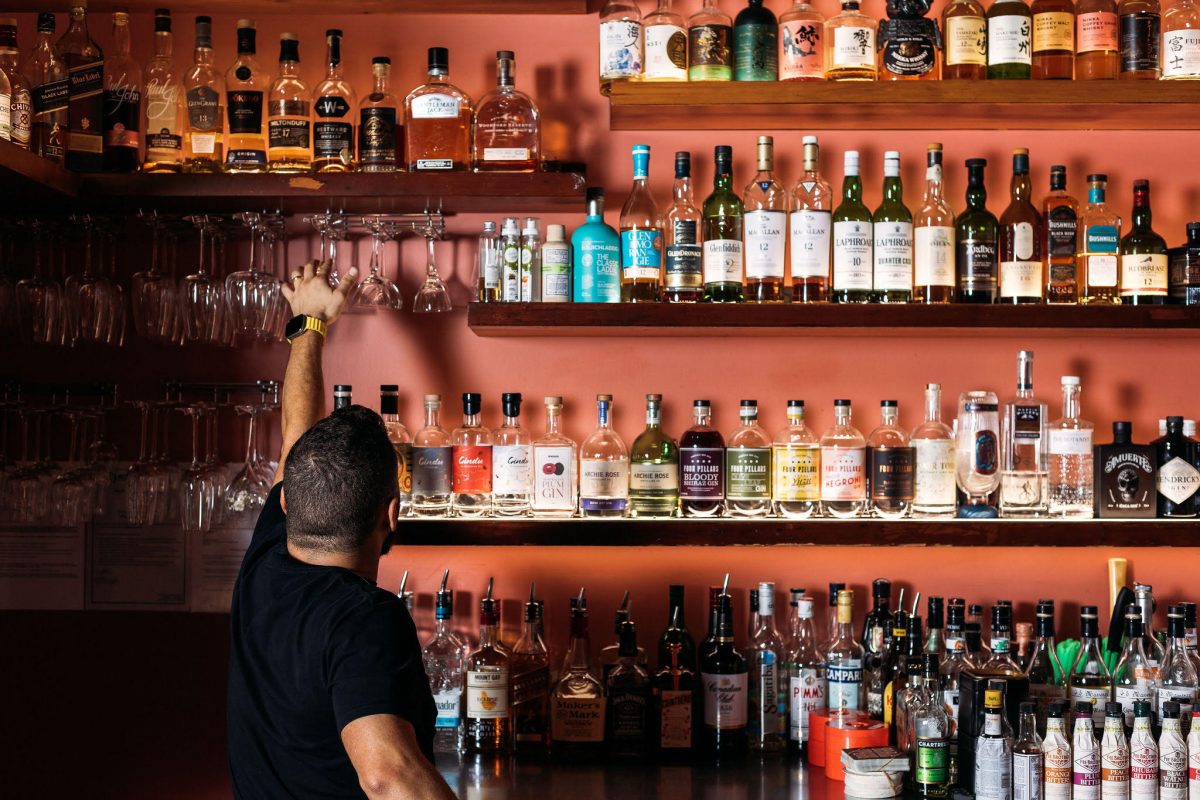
x,y
844,659
843,466
204,98
710,44
628,690
933,455
1001,660
1024,452
993,747
1089,679
164,103
931,736
654,467
801,50
1085,752
1143,755
755,44
796,466
577,707
246,86
1114,755
806,674
950,675
1009,40
1060,211
702,466
622,43
512,462
641,237
472,443
666,44
810,228
389,409
1134,679
1056,753
892,462
1099,241
487,721
1028,762
766,223
443,656
603,467
853,239
892,226
531,684
1045,671
507,133
748,466
1022,279
433,472
289,127
933,238
1143,598
850,45
380,133
1071,479
722,228
555,480
122,101
684,279
977,452
1177,675
487,265
437,121
1181,41
334,106
768,682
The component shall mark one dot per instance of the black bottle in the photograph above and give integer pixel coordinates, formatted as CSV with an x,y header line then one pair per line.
x,y
877,626
628,690
724,684
1125,473
1178,478
673,719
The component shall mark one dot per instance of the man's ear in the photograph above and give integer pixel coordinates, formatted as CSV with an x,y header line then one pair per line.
x,y
393,513
283,500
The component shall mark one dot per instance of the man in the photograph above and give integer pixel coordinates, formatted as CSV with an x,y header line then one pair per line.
x,y
327,693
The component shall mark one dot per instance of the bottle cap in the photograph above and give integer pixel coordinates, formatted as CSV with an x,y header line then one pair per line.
x,y
1057,709
433,400
45,22
1070,380
511,402
888,404
749,404
334,32
604,398
505,55
1141,708
245,24
556,233
594,193
471,402
841,403
1141,184
1030,707
1097,176
439,59
797,405
384,60
162,20
683,164
701,404
1112,709
1083,708
808,140
1170,710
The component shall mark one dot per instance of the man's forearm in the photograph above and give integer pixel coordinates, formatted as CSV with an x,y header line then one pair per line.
x,y
303,392
421,781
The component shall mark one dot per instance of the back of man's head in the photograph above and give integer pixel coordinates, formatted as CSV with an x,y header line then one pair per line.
x,y
338,478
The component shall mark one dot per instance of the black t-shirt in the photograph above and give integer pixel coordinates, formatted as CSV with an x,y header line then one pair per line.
x,y
313,649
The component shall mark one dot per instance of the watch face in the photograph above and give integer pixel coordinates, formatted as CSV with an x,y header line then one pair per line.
x,y
295,327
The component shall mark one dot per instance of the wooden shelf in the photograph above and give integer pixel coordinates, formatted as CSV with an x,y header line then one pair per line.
x,y
908,105
27,179
867,533
319,7
637,319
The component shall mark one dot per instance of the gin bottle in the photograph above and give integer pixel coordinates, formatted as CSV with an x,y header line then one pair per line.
x,y
933,454
531,684
1177,480
443,657
993,748
1056,752
555,485
1085,754
654,467
1028,761
1114,755
768,707
512,461
487,724
796,461
891,469
389,409
806,674
641,236
1023,476
748,466
472,452
1133,678
843,466
1089,680
1172,755
577,705
603,467
1143,598
432,470
1143,755
702,466
1071,478
844,659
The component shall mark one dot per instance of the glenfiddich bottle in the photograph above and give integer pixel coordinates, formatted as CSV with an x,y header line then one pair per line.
x,y
723,254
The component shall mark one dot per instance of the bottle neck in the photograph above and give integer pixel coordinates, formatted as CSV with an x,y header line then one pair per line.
x,y
811,160
682,191
722,182
1083,725
888,416
1028,726
163,45
431,416
852,188
1021,188
504,74
1141,210
579,650
120,35
511,422
1096,193
1071,402
602,414
702,418
471,420
976,191
841,416
488,632
893,190
333,62
553,420
246,44
933,405
382,81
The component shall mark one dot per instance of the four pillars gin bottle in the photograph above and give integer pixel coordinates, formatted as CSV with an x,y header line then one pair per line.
x,y
702,466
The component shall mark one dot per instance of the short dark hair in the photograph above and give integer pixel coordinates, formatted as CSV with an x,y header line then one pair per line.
x,y
337,478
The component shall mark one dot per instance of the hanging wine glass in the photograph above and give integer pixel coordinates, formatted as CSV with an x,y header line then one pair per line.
x,y
8,288
432,297
88,293
151,291
197,492
249,489
38,298
201,294
376,291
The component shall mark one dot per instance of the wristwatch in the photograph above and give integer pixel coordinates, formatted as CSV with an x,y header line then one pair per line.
x,y
302,323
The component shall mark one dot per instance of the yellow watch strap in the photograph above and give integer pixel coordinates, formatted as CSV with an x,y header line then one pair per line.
x,y
314,324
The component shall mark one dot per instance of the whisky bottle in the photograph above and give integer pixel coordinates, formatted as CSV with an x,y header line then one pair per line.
x,y
891,465
933,454
433,472
1125,476
892,227
622,43
843,467
1180,42
755,44
628,691
380,138
20,93
796,461
809,230
512,462
908,43
765,202
289,143
122,102
666,45
976,232
245,89
577,707
1021,242
443,656
1053,40
85,95
853,240
1023,448
768,681
1139,24
1097,54
802,52
531,684
487,719
702,466
965,56
710,44
389,409
596,253
334,105
1009,40
47,74
1088,678
684,252
850,45
164,103
1177,479
472,452
723,234
641,237
204,93
878,627
437,121
1060,212
1099,242
1143,255
603,467
724,679
1184,271
933,238
507,132
748,466
555,481
654,467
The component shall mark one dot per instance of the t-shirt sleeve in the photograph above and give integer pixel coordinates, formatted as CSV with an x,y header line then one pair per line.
x,y
375,665
272,522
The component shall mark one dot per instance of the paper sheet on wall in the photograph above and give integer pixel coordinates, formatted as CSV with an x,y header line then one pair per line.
x,y
41,568
137,568
215,559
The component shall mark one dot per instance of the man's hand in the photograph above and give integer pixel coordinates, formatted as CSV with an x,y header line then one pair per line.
x,y
309,292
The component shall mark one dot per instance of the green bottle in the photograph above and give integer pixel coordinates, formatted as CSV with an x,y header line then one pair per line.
x,y
722,225
1009,40
654,467
755,44
977,233
1143,255
893,231
853,240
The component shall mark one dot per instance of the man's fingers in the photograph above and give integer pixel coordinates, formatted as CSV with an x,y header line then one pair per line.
x,y
309,268
287,292
348,280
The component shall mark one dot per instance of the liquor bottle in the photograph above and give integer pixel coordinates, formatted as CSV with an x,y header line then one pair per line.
x,y
1088,679
831,615
1125,476
654,467
1114,755
432,464
933,238
977,232
1098,243
950,673
510,261
530,684
342,396
853,239
603,467
443,656
675,683
811,220
1133,678
1193,753
289,141
1024,454
1045,671
1053,39
722,229
702,466
596,253
766,223
610,654
472,452
931,737
203,93
806,675
768,682
1001,661
1097,55
577,707
1028,762
801,51
1172,754
507,130
85,62
1184,269
710,44
47,75
1060,212
245,87
965,28
892,224
641,237
1180,45
850,45
666,45
993,747
164,103
905,696
1024,647
1056,753
977,452
1139,24
1143,255
843,466
933,460
1071,487
1177,675
796,464
512,462
380,135
908,44
622,44
1009,40
19,99
935,638
876,639
556,266
487,265
755,44
1085,753
844,659
684,252
122,102
487,721
437,121
555,485
389,409
724,687
1143,755
748,466
892,465
334,104
1021,278
628,690
531,267
1145,604
1178,480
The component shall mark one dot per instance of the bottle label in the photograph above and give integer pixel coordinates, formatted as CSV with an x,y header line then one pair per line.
x,y
950,699
1181,53
487,694
1095,695
1027,776
598,271
1143,768
447,702
910,46
722,261
1127,695
807,695
245,112
654,478
1058,769
933,761
432,470
852,242
1184,695
755,52
1008,40
510,280
122,116
1096,31
725,701
845,681
797,473
620,49
436,106
1020,278
603,484
977,264
1139,40
993,766
893,256
490,259
853,47
748,473
843,473
1144,274
802,50
554,478
50,98
768,719
933,255
288,132
556,272
675,720
810,244
162,120
577,719
1085,775
377,136
627,715
512,468
934,482
966,41
702,473
641,254
709,57
891,473
1114,769
1177,480
1070,442
685,257
334,140
666,53
1101,243
1062,226
472,469
203,110
766,243
404,459
1054,30
86,106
